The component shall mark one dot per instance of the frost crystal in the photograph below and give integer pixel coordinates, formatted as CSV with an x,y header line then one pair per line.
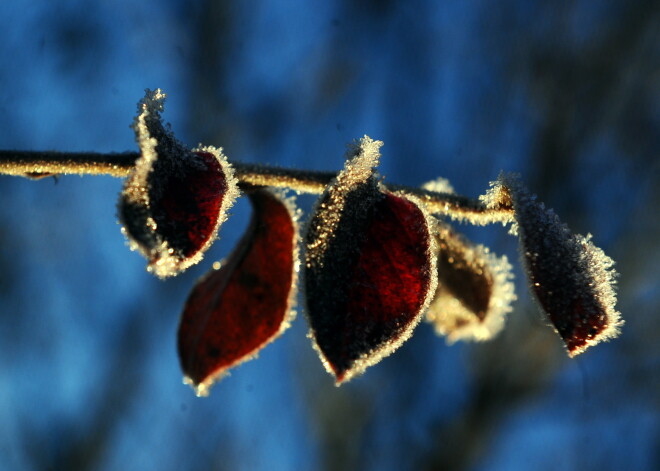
x,y
439,185
572,279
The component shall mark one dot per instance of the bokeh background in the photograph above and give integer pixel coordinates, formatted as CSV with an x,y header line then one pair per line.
x,y
565,92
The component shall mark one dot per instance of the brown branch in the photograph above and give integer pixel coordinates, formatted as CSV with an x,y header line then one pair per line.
x,y
37,164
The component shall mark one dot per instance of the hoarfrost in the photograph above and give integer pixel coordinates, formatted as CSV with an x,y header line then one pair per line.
x,y
439,185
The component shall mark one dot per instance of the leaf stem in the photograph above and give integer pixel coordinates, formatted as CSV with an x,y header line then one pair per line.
x,y
39,164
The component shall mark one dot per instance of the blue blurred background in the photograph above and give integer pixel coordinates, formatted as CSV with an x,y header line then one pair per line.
x,y
566,93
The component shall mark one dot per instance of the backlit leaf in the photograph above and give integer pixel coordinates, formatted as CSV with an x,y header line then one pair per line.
x,y
369,267
234,311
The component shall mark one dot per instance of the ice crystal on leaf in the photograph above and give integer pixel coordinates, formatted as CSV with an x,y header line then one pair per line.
x,y
175,198
236,310
572,279
369,270
439,185
474,291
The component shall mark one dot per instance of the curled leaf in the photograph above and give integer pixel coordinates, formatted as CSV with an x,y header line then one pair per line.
x,y
175,199
474,291
572,279
369,267
236,310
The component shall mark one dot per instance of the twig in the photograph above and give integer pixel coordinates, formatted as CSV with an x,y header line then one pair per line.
x,y
37,164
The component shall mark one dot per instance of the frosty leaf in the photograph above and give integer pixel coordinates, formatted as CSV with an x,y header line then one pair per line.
x,y
234,311
369,267
474,290
572,279
175,199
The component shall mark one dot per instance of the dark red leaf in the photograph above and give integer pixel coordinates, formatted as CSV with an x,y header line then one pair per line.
x,y
474,290
369,269
175,199
234,311
573,280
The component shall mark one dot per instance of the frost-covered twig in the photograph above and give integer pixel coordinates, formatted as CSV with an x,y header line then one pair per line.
x,y
38,164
